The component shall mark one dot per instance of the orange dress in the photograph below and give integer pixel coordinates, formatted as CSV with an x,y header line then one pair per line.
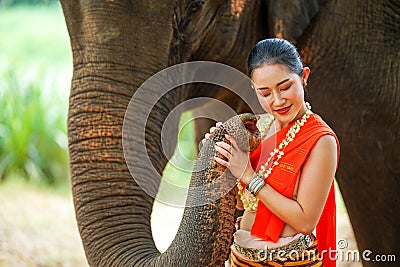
x,y
283,179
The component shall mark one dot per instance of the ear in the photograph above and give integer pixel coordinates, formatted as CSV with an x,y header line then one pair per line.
x,y
305,73
288,19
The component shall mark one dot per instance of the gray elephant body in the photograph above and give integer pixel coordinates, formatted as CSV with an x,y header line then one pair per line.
x,y
351,47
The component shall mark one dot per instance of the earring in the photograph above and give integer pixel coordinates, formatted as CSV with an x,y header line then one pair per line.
x,y
304,83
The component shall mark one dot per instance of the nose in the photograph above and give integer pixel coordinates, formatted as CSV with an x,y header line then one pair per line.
x,y
278,99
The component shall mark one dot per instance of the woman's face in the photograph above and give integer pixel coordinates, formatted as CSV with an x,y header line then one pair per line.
x,y
280,92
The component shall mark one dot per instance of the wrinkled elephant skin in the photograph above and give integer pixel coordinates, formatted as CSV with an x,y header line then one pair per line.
x,y
351,47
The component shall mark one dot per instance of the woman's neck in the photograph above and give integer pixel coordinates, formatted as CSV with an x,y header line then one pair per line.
x,y
280,125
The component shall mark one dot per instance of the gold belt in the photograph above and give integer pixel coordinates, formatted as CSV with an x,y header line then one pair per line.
x,y
299,245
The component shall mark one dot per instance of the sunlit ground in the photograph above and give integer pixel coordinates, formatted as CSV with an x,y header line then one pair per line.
x,y
38,227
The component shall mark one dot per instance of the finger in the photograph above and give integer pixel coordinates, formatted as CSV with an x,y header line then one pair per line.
x,y
232,140
212,129
225,146
224,152
207,136
221,161
218,124
203,141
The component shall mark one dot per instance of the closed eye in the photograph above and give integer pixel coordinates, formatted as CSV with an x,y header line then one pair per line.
x,y
264,93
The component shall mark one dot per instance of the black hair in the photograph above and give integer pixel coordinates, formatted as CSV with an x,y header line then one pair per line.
x,y
274,51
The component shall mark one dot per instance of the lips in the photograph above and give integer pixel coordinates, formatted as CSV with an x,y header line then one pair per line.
x,y
283,110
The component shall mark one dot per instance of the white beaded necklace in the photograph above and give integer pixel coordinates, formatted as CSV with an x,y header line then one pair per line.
x,y
250,202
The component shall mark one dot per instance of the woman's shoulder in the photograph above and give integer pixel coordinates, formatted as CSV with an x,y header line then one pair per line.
x,y
321,123
316,117
327,139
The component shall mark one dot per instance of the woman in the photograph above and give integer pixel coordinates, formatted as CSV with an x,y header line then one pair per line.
x,y
286,184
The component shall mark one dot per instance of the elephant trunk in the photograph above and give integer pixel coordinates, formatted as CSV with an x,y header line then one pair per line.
x,y
112,211
210,212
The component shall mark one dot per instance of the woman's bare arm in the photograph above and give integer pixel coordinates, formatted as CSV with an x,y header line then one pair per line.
x,y
315,181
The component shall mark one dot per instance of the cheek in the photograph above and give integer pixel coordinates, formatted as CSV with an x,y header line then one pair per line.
x,y
263,102
300,93
297,93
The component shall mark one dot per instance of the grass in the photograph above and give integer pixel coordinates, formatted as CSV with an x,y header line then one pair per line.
x,y
35,73
33,140
35,36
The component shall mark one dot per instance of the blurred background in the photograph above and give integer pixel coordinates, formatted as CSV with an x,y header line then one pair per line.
x,y
37,220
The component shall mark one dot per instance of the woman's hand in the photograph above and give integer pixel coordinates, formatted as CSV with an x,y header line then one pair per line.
x,y
237,162
212,129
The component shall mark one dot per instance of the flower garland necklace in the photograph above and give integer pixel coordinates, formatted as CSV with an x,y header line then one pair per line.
x,y
250,202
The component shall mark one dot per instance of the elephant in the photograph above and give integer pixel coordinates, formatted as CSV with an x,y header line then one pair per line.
x,y
350,46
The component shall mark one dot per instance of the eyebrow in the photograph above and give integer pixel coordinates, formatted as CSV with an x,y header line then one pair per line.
x,y
281,82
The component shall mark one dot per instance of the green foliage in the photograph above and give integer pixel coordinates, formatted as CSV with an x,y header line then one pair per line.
x,y
33,141
25,2
35,36
179,168
35,72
